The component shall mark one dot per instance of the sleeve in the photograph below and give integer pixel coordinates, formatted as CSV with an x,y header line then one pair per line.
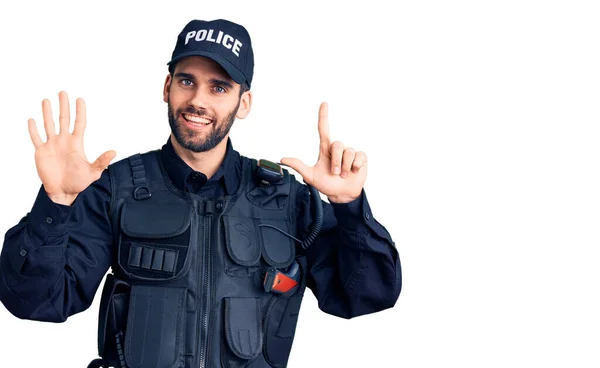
x,y
53,261
353,265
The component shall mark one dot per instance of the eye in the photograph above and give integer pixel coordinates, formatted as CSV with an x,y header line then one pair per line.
x,y
220,89
186,82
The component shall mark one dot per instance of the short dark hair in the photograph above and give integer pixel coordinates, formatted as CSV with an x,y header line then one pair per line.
x,y
243,87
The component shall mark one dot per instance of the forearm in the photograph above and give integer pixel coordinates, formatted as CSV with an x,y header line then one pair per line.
x,y
350,279
30,270
370,276
355,267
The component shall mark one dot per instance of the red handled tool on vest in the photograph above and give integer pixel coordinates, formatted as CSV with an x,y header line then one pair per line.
x,y
279,282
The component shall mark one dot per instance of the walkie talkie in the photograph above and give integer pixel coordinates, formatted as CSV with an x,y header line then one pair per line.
x,y
269,172
278,282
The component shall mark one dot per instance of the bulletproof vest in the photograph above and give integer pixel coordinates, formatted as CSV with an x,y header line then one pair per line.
x,y
187,282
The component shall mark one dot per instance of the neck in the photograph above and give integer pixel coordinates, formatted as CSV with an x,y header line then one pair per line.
x,y
205,162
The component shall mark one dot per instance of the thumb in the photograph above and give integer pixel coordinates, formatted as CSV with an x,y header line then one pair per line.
x,y
104,159
300,167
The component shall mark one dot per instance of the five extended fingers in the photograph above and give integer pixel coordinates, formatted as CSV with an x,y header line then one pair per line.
x,y
64,119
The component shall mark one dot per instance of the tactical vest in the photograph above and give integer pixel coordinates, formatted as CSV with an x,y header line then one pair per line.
x,y
186,288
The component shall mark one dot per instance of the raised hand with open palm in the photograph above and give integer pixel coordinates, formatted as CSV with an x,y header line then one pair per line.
x,y
61,162
340,172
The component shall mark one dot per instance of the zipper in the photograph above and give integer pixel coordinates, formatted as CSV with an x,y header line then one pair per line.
x,y
206,288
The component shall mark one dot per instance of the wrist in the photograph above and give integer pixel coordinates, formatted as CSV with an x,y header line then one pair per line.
x,y
342,199
64,199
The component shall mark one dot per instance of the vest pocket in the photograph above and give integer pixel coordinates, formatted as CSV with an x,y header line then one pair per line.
x,y
155,328
280,326
248,240
278,249
112,319
155,238
242,240
242,319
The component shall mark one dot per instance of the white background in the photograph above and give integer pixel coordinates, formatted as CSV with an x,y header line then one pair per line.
x,y
480,121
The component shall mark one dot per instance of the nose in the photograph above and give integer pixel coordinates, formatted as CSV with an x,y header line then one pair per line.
x,y
200,99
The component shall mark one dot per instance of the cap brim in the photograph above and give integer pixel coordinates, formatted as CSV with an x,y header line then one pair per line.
x,y
233,72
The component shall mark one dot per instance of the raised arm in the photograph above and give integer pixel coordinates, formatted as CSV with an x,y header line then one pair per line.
x,y
53,260
354,266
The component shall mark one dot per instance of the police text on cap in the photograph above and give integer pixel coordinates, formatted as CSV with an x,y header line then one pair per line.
x,y
224,39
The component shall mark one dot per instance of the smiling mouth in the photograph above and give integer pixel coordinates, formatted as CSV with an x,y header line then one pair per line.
x,y
196,121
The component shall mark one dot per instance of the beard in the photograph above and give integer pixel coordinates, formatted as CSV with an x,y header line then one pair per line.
x,y
191,140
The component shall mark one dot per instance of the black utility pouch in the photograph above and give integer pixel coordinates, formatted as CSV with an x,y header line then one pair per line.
x,y
155,238
112,321
243,331
280,328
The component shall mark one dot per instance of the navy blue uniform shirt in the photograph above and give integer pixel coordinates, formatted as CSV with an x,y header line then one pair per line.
x,y
53,261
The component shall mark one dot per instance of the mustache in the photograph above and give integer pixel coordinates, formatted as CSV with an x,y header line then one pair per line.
x,y
192,111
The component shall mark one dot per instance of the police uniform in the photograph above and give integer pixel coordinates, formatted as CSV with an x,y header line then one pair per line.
x,y
195,262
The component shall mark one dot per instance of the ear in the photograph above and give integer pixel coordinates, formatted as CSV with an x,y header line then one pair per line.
x,y
245,105
167,88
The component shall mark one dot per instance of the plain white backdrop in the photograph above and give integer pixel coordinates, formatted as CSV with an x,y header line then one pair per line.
x,y
480,120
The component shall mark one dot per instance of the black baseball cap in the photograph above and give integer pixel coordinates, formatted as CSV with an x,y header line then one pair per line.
x,y
225,42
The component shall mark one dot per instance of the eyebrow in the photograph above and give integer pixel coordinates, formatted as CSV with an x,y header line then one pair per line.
x,y
221,82
186,76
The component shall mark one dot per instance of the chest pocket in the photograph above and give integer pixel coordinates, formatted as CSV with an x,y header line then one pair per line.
x,y
155,239
249,240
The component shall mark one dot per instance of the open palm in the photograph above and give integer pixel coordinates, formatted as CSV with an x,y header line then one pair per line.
x,y
60,161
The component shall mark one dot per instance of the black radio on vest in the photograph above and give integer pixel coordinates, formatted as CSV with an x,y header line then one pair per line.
x,y
202,282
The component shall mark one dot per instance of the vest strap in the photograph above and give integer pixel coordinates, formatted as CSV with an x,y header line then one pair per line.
x,y
141,190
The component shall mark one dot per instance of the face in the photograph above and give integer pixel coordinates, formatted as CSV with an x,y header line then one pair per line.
x,y
203,102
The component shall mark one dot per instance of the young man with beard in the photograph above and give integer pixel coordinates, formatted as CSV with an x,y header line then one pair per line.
x,y
210,251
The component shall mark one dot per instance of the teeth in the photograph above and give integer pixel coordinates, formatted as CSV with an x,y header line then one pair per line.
x,y
197,119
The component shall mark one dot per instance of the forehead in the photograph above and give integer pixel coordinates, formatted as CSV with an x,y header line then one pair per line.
x,y
201,66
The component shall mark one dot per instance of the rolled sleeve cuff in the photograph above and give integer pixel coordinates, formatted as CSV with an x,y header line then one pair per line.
x,y
48,217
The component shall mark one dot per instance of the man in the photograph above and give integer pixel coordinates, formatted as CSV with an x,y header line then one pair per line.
x,y
210,251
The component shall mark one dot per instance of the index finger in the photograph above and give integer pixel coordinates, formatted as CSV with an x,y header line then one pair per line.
x,y
324,127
